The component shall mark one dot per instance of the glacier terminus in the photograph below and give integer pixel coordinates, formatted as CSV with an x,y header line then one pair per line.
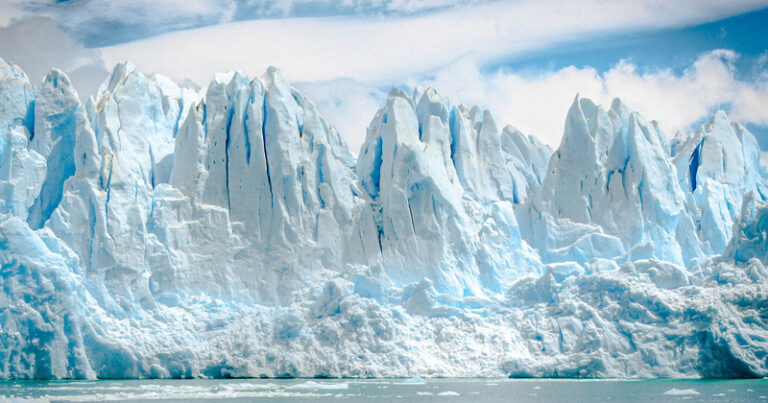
x,y
157,231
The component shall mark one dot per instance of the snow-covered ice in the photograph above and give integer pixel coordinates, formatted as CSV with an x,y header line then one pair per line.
x,y
156,231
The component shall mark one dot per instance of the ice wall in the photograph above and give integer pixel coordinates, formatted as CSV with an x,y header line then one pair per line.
x,y
161,232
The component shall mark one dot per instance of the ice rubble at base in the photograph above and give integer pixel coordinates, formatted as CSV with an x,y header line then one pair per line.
x,y
160,232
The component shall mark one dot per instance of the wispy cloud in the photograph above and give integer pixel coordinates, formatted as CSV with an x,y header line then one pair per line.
x,y
98,23
382,49
102,23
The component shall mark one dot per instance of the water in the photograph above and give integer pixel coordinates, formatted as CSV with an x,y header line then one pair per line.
x,y
389,390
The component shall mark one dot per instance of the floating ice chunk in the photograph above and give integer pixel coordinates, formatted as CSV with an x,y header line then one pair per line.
x,y
681,392
245,386
412,381
311,385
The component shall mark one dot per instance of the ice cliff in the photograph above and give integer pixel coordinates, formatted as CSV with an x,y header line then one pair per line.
x,y
157,231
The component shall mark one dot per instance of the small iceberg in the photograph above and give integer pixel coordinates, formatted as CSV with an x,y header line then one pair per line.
x,y
681,392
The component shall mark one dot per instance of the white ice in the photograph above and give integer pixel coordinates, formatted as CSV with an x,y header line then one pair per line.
x,y
156,231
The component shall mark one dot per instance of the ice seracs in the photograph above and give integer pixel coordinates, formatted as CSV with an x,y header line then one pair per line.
x,y
749,239
443,196
611,191
719,165
22,170
156,231
59,116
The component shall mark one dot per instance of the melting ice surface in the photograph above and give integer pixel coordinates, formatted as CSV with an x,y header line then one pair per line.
x,y
158,232
387,390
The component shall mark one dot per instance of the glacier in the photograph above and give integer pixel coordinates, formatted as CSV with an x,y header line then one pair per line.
x,y
155,231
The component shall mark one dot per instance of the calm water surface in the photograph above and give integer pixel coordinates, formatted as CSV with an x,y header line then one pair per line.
x,y
389,390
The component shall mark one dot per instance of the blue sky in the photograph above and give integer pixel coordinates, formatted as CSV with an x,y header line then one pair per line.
x,y
674,48
676,62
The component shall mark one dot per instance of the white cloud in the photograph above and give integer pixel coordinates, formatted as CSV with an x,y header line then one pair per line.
x,y
102,23
709,83
98,23
380,49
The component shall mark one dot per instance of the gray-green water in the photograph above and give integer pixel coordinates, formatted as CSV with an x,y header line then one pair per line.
x,y
390,390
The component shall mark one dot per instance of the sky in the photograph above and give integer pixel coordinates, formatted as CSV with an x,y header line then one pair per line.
x,y
676,62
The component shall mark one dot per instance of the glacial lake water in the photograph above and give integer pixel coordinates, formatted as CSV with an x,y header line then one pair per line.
x,y
388,390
